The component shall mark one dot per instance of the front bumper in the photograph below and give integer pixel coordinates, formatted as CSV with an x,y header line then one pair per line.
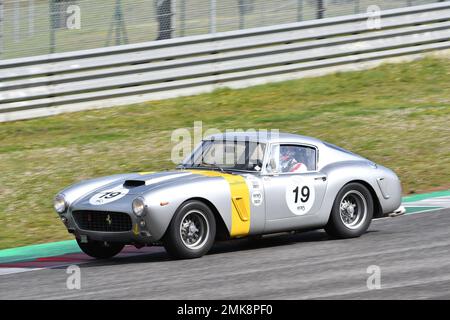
x,y
139,232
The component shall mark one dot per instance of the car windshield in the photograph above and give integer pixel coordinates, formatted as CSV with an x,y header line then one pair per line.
x,y
227,155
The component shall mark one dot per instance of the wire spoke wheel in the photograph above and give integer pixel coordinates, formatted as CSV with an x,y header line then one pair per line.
x,y
194,229
353,209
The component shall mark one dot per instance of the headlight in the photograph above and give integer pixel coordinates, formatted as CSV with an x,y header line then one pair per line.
x,y
60,203
138,206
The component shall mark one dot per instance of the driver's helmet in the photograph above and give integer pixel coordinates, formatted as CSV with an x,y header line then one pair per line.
x,y
289,160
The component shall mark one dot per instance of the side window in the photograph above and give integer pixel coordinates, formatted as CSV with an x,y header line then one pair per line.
x,y
286,158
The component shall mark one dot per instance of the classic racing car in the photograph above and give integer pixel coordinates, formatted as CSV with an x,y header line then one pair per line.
x,y
233,185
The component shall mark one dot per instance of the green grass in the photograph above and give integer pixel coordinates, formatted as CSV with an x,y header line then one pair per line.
x,y
397,115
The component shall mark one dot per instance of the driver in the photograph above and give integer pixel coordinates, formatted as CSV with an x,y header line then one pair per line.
x,y
289,162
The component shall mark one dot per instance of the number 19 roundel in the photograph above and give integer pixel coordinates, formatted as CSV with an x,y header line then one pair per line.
x,y
300,195
107,196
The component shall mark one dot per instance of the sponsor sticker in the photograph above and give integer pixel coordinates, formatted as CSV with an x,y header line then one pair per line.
x,y
254,185
257,197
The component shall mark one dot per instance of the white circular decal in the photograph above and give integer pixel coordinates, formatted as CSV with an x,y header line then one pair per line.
x,y
300,195
257,197
108,196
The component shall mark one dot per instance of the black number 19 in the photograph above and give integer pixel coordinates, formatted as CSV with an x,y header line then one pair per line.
x,y
304,193
110,195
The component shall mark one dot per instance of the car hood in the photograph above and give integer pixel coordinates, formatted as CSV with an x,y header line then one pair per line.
x,y
129,186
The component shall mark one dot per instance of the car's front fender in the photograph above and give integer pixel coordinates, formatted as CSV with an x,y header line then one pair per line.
x,y
162,203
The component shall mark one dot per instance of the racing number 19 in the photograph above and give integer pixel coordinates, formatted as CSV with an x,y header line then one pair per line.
x,y
110,195
304,194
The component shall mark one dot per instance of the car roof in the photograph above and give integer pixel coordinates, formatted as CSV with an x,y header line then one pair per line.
x,y
265,137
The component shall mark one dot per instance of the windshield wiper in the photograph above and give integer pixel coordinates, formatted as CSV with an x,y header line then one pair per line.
x,y
213,165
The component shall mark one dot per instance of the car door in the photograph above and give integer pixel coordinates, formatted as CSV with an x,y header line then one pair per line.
x,y
293,196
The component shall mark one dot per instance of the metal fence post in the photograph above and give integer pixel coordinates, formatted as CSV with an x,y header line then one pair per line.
x,y
16,31
182,17
241,14
30,17
245,7
174,18
320,9
212,16
52,22
299,10
357,6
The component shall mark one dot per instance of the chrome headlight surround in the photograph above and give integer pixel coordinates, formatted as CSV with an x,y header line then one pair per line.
x,y
60,204
138,206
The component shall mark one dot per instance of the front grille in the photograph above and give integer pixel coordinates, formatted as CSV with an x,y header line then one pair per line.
x,y
102,221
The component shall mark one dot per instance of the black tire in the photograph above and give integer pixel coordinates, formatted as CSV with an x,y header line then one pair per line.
x,y
100,249
340,224
181,242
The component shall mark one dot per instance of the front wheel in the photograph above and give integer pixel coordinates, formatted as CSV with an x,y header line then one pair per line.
x,y
191,232
351,213
100,249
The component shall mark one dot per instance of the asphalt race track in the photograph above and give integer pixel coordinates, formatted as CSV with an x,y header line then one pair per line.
x,y
412,251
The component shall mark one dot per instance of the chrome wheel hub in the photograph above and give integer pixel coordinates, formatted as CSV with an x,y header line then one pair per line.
x,y
353,209
348,209
194,229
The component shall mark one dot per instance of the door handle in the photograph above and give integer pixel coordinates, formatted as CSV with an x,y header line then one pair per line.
x,y
323,178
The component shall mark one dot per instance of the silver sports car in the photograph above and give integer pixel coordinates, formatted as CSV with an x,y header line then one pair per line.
x,y
232,185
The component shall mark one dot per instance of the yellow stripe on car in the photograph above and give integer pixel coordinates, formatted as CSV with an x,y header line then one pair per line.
x,y
240,201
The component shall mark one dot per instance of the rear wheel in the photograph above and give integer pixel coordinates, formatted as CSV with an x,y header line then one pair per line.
x,y
100,249
191,232
351,213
